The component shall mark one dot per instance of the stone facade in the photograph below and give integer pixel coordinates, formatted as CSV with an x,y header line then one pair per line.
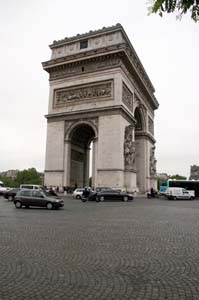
x,y
100,94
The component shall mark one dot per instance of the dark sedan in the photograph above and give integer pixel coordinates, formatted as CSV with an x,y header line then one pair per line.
x,y
37,198
109,195
10,195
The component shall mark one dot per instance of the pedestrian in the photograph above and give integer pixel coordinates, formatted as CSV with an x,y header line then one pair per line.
x,y
65,190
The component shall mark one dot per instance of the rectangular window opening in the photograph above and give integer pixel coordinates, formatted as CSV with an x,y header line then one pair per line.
x,y
83,44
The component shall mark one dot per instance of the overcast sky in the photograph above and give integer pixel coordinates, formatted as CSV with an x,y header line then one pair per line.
x,y
167,48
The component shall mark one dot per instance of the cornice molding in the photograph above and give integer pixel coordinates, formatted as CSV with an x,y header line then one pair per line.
x,y
91,33
113,56
91,113
47,171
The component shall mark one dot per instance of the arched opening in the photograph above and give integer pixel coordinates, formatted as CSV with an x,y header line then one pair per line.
x,y
81,138
138,117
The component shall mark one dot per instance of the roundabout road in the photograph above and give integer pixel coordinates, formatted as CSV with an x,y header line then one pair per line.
x,y
146,249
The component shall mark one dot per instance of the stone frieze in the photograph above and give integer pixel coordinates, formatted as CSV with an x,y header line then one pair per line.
x,y
102,90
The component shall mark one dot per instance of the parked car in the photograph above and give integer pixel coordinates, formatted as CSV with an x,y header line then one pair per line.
x,y
109,195
174,193
102,188
32,186
10,194
37,198
77,193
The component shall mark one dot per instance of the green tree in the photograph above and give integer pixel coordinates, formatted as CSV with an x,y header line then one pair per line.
x,y
28,176
9,182
179,177
181,6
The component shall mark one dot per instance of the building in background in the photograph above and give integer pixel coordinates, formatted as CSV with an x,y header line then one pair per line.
x,y
9,174
194,172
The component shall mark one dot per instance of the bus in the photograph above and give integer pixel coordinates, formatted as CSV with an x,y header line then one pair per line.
x,y
190,185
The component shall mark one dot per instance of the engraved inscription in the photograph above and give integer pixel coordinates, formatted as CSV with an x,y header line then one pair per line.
x,y
100,90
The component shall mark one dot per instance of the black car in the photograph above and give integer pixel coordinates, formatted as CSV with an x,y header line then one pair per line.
x,y
40,198
10,195
109,195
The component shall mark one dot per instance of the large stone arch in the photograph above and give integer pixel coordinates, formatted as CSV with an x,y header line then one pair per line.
x,y
100,92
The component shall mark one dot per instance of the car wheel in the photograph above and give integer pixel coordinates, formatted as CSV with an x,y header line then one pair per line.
x,y
192,198
78,197
125,199
49,205
10,198
18,204
97,199
174,198
101,198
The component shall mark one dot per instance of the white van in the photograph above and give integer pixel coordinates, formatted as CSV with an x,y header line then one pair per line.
x,y
3,189
173,193
31,186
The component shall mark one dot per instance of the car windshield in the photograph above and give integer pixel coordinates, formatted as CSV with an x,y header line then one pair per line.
x,y
48,194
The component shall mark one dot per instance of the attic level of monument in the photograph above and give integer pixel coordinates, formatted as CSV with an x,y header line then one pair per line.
x,y
109,48
100,95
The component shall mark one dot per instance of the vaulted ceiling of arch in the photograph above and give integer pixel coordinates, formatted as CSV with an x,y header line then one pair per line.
x,y
82,135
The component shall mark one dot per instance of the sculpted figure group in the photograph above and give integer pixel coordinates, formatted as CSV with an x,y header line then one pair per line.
x,y
153,161
129,148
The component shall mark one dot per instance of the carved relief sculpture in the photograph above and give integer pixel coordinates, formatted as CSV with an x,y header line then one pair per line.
x,y
93,91
129,148
150,126
153,161
127,97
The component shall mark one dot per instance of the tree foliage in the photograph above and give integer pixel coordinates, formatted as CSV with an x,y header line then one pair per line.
x,y
179,177
29,176
181,6
8,181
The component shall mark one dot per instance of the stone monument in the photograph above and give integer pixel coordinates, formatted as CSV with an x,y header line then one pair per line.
x,y
100,95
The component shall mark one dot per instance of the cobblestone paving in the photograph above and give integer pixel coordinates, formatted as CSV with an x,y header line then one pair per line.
x,y
144,249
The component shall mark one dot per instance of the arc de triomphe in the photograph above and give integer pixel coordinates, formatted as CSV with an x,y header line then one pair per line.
x,y
100,95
